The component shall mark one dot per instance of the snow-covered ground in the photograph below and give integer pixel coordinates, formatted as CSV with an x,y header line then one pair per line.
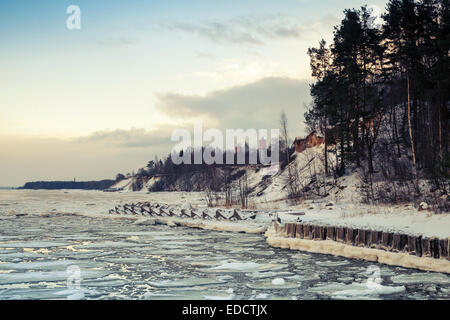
x,y
124,185
399,218
341,207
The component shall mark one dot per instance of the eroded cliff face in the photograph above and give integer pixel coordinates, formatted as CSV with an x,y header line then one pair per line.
x,y
310,141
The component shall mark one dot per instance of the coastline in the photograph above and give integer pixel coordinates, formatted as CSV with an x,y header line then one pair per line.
x,y
225,226
275,238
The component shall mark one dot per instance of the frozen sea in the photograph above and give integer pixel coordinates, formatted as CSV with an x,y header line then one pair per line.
x,y
62,245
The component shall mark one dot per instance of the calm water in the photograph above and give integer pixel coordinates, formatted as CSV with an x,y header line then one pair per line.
x,y
89,257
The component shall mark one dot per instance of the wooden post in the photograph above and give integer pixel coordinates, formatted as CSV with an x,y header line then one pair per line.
x,y
299,231
331,233
443,249
361,239
375,239
341,234
351,235
426,251
434,248
307,231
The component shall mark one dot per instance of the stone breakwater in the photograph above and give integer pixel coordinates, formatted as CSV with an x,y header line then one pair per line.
x,y
160,210
205,218
404,250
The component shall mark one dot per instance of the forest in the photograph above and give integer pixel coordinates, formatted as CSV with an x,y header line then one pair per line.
x,y
381,94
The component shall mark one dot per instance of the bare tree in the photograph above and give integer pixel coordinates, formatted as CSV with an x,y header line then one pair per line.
x,y
285,139
411,137
243,190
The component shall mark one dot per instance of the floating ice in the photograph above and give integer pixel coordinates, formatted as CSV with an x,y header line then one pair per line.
x,y
22,255
246,267
110,244
437,278
186,282
77,294
106,283
84,255
332,263
267,274
53,276
278,281
47,293
39,265
221,297
354,290
33,244
278,284
125,260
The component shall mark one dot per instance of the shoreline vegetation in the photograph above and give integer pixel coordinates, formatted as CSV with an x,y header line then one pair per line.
x,y
59,185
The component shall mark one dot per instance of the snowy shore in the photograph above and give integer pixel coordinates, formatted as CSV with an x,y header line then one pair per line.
x,y
276,238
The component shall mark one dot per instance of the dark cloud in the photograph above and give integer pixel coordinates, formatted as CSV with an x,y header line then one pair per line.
x,y
254,105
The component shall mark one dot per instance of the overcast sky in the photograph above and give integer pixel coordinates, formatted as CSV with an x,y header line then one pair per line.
x,y
104,99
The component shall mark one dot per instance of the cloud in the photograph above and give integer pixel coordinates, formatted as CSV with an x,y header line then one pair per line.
x,y
251,30
218,32
255,105
117,42
104,153
131,138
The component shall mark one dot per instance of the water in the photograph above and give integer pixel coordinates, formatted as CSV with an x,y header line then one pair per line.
x,y
95,257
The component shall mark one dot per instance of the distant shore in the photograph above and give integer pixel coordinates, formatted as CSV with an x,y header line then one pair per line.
x,y
58,185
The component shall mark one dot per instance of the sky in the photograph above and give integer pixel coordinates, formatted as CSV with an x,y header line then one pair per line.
x,y
89,103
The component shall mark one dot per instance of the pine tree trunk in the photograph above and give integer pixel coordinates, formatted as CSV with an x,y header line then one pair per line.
x,y
441,157
325,141
396,137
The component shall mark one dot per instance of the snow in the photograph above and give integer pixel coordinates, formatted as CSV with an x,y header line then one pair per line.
x,y
124,184
421,278
349,251
246,267
355,290
186,282
401,219
275,284
278,281
395,218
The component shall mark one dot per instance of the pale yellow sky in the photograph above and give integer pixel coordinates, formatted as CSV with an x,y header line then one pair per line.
x,y
93,102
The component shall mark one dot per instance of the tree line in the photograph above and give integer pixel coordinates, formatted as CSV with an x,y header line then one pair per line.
x,y
381,92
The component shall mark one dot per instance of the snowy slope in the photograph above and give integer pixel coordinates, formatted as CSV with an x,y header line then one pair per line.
x,y
123,184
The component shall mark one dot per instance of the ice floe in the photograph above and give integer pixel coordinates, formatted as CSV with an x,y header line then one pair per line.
x,y
421,278
354,290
